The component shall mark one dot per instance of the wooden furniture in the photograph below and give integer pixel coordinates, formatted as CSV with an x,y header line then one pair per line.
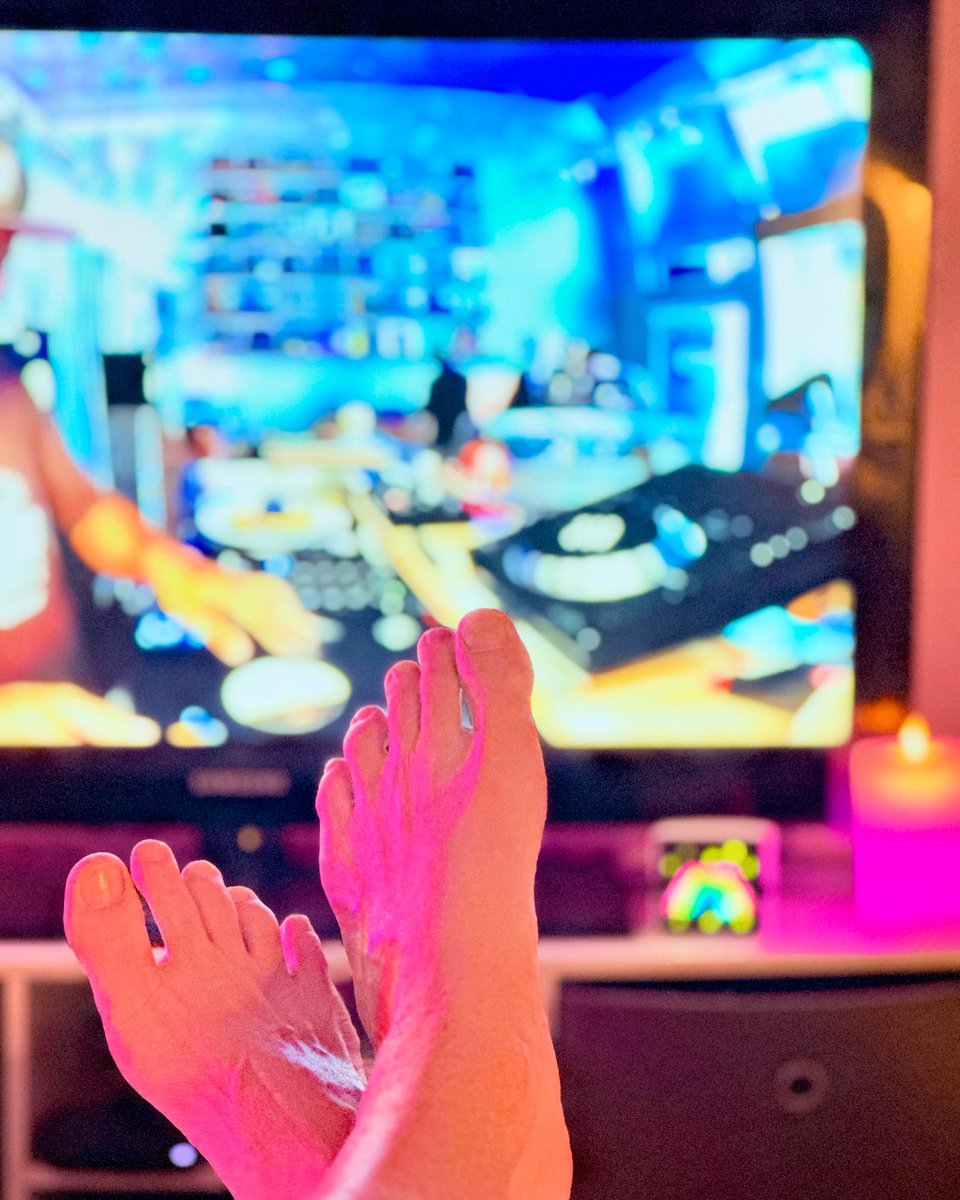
x,y
50,1053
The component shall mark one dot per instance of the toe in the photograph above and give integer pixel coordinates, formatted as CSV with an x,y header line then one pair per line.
x,y
156,874
440,719
365,749
306,961
335,814
217,912
261,933
495,670
402,687
301,946
104,923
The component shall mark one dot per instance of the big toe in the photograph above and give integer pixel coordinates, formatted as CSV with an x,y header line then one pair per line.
x,y
104,923
495,670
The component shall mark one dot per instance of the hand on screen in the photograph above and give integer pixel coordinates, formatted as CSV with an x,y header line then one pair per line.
x,y
233,611
62,714
229,611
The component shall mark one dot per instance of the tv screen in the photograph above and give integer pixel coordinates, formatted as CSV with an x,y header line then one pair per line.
x,y
311,343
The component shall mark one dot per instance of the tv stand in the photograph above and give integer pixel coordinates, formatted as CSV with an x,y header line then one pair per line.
x,y
49,1023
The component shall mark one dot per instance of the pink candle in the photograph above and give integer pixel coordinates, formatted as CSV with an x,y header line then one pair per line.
x,y
905,826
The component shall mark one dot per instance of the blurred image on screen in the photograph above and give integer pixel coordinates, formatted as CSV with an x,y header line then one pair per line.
x,y
308,344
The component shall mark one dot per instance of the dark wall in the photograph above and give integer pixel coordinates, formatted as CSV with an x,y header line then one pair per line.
x,y
560,17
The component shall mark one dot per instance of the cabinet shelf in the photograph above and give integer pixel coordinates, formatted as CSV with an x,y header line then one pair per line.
x,y
48,1018
40,1177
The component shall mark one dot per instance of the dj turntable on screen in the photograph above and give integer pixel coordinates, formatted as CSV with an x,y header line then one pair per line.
x,y
42,492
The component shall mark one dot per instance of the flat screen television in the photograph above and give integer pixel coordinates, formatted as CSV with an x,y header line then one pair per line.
x,y
396,327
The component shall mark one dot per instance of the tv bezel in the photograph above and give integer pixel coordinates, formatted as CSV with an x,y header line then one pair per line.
x,y
205,787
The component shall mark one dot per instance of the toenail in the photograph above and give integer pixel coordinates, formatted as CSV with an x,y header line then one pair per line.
x,y
153,852
101,885
438,634
206,869
364,715
484,630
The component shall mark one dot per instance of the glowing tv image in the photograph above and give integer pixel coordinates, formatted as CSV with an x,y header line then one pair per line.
x,y
372,332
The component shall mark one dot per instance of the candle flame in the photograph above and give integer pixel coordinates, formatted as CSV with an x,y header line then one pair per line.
x,y
914,738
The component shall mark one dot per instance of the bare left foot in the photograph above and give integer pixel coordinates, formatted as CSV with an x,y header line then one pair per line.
x,y
236,1033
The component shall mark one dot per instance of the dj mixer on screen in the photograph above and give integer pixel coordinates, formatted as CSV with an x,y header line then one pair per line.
x,y
574,330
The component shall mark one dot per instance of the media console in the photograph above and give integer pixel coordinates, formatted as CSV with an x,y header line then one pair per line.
x,y
50,1055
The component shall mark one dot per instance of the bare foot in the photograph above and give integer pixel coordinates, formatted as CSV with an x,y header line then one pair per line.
x,y
236,1033
429,839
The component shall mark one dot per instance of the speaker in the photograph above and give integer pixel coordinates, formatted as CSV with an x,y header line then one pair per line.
x,y
809,1090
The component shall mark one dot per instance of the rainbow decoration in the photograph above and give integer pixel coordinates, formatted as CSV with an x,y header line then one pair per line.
x,y
709,896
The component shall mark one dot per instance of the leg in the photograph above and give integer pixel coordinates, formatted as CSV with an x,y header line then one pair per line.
x,y
236,1033
429,841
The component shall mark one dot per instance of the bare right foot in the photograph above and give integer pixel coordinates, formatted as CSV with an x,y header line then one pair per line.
x,y
429,839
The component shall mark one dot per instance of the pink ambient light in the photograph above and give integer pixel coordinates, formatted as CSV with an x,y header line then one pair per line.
x,y
905,794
